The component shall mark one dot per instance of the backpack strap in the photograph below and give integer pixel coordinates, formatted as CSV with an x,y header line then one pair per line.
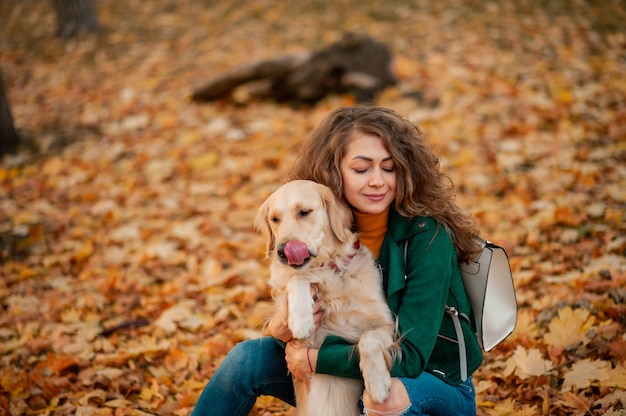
x,y
454,313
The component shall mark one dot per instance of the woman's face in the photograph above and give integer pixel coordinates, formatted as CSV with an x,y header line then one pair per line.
x,y
368,174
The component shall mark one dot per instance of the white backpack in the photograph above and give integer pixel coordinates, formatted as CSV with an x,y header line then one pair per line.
x,y
489,286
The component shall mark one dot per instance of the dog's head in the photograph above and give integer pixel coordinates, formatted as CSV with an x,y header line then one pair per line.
x,y
304,223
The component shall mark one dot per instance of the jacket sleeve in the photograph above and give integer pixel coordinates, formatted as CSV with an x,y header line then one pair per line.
x,y
338,357
420,309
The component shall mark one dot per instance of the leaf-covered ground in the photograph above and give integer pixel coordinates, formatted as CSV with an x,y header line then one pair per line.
x,y
129,263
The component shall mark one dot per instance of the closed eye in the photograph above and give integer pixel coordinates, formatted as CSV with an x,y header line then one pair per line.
x,y
304,212
388,170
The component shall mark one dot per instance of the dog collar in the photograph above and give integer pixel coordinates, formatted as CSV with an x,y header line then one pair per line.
x,y
356,246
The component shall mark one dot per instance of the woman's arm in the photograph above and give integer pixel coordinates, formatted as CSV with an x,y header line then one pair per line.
x,y
419,315
430,264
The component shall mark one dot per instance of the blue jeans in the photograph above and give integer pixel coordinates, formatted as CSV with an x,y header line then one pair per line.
x,y
257,367
432,396
251,369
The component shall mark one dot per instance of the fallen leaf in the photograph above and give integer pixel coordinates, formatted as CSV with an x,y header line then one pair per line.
x,y
584,373
527,363
569,329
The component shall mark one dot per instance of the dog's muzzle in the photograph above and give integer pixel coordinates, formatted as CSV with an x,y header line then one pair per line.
x,y
293,253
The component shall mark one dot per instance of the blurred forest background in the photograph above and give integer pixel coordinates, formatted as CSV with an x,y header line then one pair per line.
x,y
129,266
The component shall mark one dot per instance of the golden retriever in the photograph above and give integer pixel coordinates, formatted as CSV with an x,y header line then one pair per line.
x,y
310,243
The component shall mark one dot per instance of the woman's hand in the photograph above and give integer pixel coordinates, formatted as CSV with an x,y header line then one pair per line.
x,y
318,311
278,328
301,361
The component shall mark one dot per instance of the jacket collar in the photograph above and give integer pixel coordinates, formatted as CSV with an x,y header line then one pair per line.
x,y
401,228
392,256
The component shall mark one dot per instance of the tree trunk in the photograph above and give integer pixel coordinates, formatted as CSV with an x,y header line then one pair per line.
x,y
75,17
9,138
357,64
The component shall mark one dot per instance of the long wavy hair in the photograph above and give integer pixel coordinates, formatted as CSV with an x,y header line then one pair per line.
x,y
422,189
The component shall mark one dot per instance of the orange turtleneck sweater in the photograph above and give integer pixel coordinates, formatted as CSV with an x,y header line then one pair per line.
x,y
372,229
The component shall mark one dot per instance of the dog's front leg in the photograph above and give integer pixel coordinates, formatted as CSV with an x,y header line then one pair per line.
x,y
300,306
375,360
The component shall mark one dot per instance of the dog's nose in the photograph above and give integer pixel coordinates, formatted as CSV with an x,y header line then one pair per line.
x,y
280,252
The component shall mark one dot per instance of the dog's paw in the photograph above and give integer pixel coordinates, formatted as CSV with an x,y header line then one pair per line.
x,y
378,386
301,324
300,306
376,377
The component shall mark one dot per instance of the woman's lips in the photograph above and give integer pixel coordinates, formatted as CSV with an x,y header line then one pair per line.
x,y
375,197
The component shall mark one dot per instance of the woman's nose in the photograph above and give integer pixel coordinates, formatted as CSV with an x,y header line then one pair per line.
x,y
376,179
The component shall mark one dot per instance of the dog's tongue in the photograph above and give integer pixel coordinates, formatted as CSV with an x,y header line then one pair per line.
x,y
296,252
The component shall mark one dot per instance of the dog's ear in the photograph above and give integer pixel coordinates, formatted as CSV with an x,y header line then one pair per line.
x,y
339,215
261,224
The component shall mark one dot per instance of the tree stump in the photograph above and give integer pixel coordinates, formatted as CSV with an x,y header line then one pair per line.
x,y
357,64
9,139
75,17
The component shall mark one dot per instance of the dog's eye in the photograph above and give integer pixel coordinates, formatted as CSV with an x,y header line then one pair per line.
x,y
304,212
275,220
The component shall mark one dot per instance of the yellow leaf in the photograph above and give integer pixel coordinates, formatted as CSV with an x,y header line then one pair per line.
x,y
504,408
511,407
584,372
205,161
482,386
528,363
578,402
526,323
110,372
97,396
12,344
161,250
187,231
568,330
119,403
616,378
53,166
146,394
158,170
188,138
169,319
183,315
527,410
84,252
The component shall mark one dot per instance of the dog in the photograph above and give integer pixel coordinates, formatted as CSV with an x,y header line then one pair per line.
x,y
310,244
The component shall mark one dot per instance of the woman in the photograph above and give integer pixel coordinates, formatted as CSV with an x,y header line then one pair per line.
x,y
383,167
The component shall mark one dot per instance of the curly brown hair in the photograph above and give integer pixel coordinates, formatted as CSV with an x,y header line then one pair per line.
x,y
422,188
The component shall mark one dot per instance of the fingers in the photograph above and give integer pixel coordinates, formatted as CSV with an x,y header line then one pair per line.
x,y
318,311
317,317
297,362
279,329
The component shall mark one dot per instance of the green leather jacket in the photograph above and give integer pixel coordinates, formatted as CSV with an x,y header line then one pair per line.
x,y
417,301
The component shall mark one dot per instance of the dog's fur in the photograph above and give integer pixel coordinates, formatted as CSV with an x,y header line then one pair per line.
x,y
349,288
